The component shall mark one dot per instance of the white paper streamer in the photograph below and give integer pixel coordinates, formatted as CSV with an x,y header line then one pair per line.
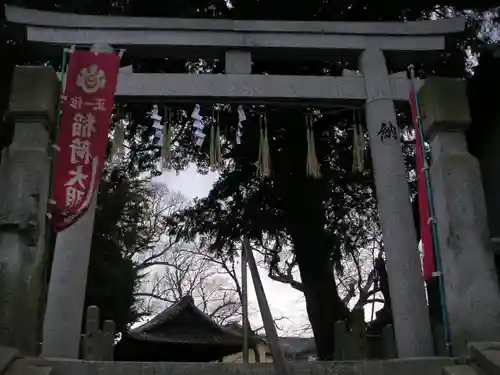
x,y
159,141
198,126
241,117
158,137
118,147
196,113
156,117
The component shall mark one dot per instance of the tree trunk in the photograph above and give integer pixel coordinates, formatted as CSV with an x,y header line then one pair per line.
x,y
324,306
302,200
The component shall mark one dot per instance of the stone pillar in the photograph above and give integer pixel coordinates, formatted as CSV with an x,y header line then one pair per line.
x,y
470,280
409,307
238,62
24,181
68,281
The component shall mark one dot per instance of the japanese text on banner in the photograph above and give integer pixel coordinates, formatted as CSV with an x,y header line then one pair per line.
x,y
86,114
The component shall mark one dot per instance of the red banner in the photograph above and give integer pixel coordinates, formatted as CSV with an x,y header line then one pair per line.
x,y
423,196
87,105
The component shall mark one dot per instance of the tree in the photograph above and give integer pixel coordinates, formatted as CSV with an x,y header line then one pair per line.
x,y
168,270
171,270
175,269
186,271
357,274
358,281
120,231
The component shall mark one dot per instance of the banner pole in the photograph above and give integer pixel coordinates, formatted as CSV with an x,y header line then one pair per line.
x,y
437,252
244,303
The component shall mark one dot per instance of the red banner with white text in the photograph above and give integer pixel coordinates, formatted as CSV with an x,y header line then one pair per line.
x,y
429,263
87,105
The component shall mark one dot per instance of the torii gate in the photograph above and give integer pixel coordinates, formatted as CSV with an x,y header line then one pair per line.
x,y
370,42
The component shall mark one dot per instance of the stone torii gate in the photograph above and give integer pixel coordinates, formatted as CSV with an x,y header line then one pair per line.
x,y
240,41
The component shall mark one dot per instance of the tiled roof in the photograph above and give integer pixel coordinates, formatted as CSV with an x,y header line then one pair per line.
x,y
173,312
183,322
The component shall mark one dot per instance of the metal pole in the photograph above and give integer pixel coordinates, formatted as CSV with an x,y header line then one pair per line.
x,y
272,336
244,303
435,240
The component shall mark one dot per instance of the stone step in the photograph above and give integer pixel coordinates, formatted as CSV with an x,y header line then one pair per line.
x,y
486,356
459,370
7,356
418,366
22,367
37,370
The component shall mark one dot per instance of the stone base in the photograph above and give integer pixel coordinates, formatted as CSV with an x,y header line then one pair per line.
x,y
414,366
7,356
484,359
485,356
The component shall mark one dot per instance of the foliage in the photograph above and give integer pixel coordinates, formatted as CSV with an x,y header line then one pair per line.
x,y
120,230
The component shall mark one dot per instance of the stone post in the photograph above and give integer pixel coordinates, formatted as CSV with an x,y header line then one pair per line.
x,y
238,62
469,275
68,282
409,307
24,181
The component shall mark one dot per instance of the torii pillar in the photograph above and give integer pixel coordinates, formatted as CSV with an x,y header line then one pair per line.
x,y
409,307
68,281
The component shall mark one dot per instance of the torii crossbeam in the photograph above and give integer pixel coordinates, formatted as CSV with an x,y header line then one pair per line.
x,y
174,38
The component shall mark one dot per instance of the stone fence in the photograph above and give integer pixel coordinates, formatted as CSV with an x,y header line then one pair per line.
x,y
97,344
352,342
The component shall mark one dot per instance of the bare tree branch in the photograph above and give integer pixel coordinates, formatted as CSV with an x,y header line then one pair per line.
x,y
176,269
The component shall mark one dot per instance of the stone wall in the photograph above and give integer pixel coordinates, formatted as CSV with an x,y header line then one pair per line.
x,y
484,136
24,185
489,161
